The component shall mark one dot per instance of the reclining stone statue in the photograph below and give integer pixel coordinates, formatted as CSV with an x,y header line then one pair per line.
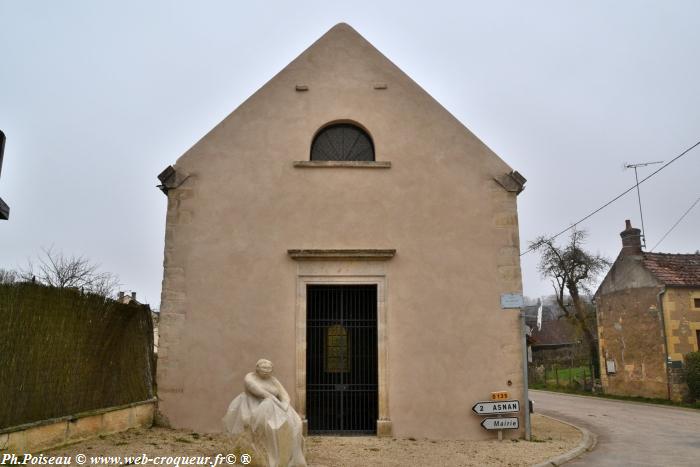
x,y
263,414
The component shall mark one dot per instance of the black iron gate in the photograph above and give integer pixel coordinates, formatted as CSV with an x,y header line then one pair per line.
x,y
341,359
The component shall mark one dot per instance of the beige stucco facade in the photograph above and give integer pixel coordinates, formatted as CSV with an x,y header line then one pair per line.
x,y
437,198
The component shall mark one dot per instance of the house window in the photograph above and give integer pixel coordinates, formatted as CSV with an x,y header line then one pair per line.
x,y
342,142
696,302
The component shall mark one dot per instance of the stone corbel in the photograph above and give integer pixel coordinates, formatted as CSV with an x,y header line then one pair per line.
x,y
171,178
512,182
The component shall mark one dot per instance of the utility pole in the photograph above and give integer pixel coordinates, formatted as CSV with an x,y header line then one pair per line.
x,y
526,396
4,208
639,196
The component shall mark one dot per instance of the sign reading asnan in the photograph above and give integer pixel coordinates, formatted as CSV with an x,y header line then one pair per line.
x,y
487,408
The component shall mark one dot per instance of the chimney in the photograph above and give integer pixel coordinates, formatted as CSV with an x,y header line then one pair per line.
x,y
133,295
631,240
121,296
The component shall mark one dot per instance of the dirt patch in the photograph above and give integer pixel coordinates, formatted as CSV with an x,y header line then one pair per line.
x,y
161,442
551,438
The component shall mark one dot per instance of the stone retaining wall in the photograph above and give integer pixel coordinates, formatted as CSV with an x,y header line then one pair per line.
x,y
45,434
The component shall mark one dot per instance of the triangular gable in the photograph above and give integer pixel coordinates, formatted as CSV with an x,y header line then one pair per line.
x,y
339,58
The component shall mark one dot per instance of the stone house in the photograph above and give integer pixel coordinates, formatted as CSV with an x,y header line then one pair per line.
x,y
342,224
130,299
125,298
555,334
648,310
558,343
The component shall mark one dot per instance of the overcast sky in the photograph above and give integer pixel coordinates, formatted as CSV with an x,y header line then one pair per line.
x,y
96,98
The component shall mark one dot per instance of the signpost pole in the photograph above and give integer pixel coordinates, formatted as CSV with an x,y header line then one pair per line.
x,y
526,397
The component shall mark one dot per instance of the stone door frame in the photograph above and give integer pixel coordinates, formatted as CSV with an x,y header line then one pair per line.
x,y
343,273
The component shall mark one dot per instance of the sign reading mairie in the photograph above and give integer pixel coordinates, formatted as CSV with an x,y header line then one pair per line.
x,y
505,423
487,408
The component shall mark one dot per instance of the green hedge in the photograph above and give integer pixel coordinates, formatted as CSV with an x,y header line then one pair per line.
x,y
63,352
692,366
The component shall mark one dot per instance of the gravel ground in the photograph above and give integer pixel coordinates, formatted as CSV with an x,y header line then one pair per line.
x,y
552,437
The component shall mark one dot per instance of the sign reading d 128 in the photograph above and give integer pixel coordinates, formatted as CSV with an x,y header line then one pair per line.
x,y
488,408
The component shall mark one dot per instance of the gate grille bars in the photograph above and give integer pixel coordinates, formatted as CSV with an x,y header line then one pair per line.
x,y
341,359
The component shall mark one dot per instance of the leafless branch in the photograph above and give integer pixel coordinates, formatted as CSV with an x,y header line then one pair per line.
x,y
56,269
572,271
7,276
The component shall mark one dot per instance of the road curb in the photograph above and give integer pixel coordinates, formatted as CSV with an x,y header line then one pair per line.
x,y
588,442
610,399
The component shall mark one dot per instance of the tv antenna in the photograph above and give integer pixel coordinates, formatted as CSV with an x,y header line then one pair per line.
x,y
639,196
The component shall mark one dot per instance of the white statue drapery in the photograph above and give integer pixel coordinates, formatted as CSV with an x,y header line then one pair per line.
x,y
264,409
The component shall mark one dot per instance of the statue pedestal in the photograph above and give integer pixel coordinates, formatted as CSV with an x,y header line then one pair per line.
x,y
245,444
253,445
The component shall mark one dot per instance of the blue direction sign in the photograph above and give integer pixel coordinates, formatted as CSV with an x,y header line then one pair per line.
x,y
498,407
505,423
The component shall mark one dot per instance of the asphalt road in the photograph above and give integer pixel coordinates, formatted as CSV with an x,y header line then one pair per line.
x,y
629,433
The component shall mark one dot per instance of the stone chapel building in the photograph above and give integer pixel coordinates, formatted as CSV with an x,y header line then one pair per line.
x,y
343,224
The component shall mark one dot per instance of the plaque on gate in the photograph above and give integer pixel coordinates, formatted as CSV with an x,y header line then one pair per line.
x,y
337,350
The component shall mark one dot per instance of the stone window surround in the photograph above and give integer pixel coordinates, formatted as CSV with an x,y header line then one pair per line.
x,y
346,164
340,271
693,297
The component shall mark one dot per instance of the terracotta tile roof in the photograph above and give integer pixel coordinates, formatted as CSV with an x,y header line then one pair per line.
x,y
672,269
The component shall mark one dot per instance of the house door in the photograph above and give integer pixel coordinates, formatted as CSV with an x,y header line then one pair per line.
x,y
341,359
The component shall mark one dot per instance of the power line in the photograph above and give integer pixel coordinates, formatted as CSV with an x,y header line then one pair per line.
x,y
618,196
677,222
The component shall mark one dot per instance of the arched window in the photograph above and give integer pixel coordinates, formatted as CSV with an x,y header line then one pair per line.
x,y
342,142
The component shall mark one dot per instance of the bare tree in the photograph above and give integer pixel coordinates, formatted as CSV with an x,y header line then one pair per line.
x,y
8,276
58,270
573,271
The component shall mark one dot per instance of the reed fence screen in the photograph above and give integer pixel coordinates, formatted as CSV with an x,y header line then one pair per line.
x,y
63,352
